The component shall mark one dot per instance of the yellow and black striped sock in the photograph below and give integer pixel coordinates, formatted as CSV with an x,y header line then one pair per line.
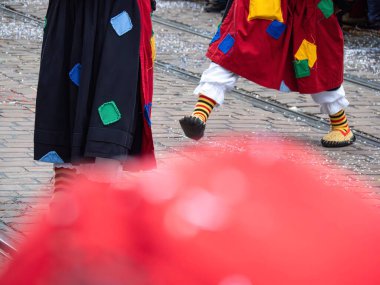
x,y
203,108
63,178
340,134
339,122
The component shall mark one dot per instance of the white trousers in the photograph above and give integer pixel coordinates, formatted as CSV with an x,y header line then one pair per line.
x,y
216,81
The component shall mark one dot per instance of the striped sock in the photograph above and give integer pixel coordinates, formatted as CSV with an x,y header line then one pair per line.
x,y
63,178
339,122
203,108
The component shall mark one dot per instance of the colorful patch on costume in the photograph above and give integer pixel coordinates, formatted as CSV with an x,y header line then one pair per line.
x,y
226,44
109,113
122,23
301,68
265,9
276,29
216,36
75,74
308,51
153,46
284,87
52,157
147,113
326,7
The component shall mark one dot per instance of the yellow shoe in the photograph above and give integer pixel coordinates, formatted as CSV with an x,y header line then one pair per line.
x,y
338,138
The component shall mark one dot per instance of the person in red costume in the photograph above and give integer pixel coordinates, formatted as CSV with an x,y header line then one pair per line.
x,y
287,45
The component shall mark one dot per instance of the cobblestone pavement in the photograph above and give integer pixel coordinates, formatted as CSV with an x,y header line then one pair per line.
x,y
24,187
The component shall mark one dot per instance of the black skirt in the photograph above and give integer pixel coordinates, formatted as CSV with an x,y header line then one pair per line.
x,y
88,95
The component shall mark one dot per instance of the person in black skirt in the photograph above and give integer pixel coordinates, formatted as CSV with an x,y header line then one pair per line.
x,y
95,85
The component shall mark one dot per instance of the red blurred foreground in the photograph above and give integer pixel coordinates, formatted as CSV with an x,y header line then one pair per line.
x,y
246,213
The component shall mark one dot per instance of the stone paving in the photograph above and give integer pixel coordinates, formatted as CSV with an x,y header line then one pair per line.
x,y
24,187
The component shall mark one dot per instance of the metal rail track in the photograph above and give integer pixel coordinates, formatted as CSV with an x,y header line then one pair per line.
x,y
6,249
10,10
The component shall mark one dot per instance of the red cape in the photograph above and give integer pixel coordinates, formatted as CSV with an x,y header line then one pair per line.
x,y
146,80
249,49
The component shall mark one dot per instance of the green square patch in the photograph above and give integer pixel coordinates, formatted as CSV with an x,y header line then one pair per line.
x,y
327,7
109,113
301,67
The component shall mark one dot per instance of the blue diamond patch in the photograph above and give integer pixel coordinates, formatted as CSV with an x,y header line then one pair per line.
x,y
147,112
276,29
52,157
75,74
226,44
122,23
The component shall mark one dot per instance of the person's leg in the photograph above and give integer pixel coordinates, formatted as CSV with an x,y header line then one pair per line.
x,y
215,81
373,14
215,6
373,11
333,103
64,179
102,170
64,174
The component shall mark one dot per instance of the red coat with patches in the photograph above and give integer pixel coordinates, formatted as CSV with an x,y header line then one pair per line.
x,y
269,62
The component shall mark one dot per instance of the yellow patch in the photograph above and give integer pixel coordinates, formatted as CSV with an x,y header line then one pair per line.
x,y
265,9
307,51
153,47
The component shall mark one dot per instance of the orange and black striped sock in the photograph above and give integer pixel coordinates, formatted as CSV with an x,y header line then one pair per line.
x,y
339,121
63,178
203,108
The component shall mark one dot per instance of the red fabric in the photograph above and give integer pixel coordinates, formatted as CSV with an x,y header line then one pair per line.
x,y
146,80
244,213
267,61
